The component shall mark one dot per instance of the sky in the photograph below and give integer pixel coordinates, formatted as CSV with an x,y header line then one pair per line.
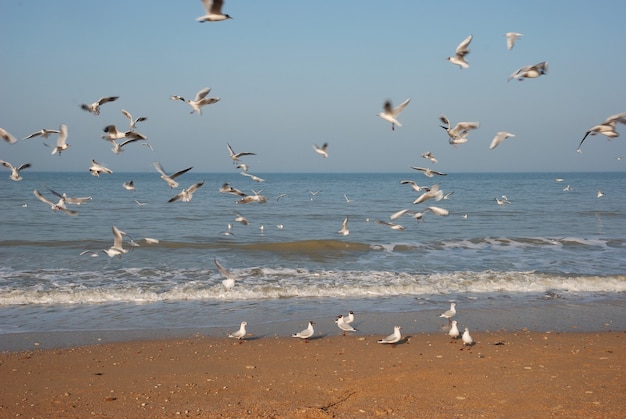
x,y
291,75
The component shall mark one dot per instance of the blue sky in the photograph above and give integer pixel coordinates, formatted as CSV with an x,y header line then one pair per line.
x,y
290,74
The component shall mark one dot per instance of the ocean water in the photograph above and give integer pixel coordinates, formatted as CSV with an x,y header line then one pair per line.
x,y
548,248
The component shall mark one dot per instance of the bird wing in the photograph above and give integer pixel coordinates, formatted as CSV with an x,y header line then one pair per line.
x,y
104,100
228,274
7,136
463,47
62,138
201,94
180,172
401,107
7,164
195,187
43,198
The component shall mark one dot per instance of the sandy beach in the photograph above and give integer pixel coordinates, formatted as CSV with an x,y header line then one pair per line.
x,y
506,374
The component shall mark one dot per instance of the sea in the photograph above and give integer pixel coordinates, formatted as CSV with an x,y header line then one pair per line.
x,y
551,258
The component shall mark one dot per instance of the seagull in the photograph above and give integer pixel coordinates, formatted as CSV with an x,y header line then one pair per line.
x,y
229,282
129,186
253,177
433,193
461,51
96,168
344,227
241,333
244,167
467,339
392,226
241,219
252,198
62,144
321,150
399,214
133,122
170,178
235,156
117,147
414,185
226,188
458,134
199,101
448,195
428,172
94,108
315,193
448,314
213,9
599,193
430,156
113,134
442,212
42,133
503,201
511,37
306,333
15,171
186,194
71,199
500,136
343,326
348,200
454,331
59,206
607,128
391,114
117,249
350,318
394,338
6,136
530,71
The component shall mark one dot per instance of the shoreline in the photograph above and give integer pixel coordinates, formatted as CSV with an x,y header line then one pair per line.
x,y
507,373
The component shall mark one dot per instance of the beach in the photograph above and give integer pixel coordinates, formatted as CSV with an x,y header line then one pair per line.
x,y
505,374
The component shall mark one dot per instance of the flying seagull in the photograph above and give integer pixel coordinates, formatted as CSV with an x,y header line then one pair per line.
x,y
321,150
186,194
15,171
607,128
461,51
42,133
235,156
6,136
94,108
133,122
199,101
213,9
391,114
500,136
530,71
511,37
170,178
62,144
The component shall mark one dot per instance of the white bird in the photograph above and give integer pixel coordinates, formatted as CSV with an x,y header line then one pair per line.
x,y
252,198
414,185
394,338
511,37
454,331
500,136
6,136
94,108
199,101
448,314
390,114
235,156
42,133
467,339
170,178
399,214
229,282
59,206
461,51
241,219
241,333
433,193
117,249
599,193
133,122
129,186
607,128
186,194
244,167
213,11
62,144
96,168
392,226
117,147
458,134
430,156
442,212
15,171
428,171
348,200
306,333
321,150
530,71
503,201
344,227
74,200
315,193
226,188
343,326
253,177
114,134
350,317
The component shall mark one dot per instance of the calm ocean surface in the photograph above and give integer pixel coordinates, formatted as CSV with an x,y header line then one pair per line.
x,y
547,247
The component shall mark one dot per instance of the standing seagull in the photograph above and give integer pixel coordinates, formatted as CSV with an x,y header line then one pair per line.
x,y
448,314
530,71
343,326
306,333
454,331
94,108
6,136
170,178
461,51
15,171
511,37
607,128
394,338
199,101
321,150
500,136
391,114
213,10
241,333
468,340
62,144
186,194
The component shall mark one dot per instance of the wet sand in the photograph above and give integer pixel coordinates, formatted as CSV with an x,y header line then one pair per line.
x,y
506,374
